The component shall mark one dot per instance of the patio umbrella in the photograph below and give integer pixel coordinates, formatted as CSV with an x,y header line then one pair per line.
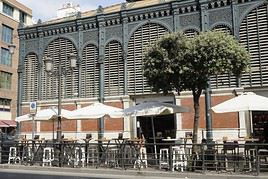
x,y
246,102
96,110
153,109
43,115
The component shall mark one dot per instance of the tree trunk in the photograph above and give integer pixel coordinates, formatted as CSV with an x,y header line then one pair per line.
x,y
196,96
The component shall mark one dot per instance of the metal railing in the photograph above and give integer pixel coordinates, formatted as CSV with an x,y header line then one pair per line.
x,y
229,156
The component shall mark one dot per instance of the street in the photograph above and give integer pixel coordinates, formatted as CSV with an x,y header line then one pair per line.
x,y
37,174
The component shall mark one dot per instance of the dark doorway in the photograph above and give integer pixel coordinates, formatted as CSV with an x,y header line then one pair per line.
x,y
260,125
164,127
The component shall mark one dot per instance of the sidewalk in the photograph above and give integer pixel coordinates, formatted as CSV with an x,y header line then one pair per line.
x,y
145,172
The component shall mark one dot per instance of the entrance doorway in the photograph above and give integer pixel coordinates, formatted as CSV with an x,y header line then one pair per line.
x,y
164,126
260,125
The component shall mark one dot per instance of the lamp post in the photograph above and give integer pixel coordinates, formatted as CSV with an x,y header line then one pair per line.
x,y
49,62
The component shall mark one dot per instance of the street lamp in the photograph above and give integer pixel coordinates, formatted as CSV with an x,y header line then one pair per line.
x,y
49,69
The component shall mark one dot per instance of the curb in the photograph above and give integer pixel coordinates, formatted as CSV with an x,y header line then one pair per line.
x,y
192,175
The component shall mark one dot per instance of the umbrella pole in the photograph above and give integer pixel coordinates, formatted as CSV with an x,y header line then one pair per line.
x,y
155,151
53,136
33,126
251,123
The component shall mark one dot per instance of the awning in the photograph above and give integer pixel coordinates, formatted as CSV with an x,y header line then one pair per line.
x,y
8,123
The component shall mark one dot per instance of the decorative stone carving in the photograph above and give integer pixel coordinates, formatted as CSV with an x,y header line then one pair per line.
x,y
190,20
221,15
31,46
168,21
242,8
90,36
132,26
114,32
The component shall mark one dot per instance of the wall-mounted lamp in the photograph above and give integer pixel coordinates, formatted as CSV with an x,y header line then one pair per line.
x,y
11,48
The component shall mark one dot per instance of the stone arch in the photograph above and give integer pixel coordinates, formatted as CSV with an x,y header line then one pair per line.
x,y
160,23
190,32
222,27
246,12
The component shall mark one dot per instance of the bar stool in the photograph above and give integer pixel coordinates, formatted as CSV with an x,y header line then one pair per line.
x,y
48,156
230,153
112,157
263,158
13,155
178,158
142,158
92,155
164,158
250,153
27,153
80,156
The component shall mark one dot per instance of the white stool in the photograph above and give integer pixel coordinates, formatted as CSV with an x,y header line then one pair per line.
x,y
13,155
142,158
164,158
80,156
92,155
178,158
48,156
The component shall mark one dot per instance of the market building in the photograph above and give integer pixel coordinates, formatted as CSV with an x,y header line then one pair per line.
x,y
109,44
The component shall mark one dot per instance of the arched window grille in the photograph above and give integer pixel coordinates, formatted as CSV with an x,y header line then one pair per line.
x,y
30,78
59,50
139,41
90,72
224,80
254,36
113,69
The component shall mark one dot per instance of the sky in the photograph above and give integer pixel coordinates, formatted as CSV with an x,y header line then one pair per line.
x,y
47,9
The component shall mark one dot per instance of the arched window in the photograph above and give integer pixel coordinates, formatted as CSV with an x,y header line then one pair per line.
x,y
90,72
254,36
190,32
30,78
224,80
59,50
139,41
113,69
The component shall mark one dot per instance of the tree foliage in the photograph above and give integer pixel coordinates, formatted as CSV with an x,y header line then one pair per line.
x,y
176,62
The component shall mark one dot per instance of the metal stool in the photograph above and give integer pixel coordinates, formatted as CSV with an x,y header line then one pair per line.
x,y
27,154
80,156
13,155
48,156
178,158
112,157
142,158
92,155
164,158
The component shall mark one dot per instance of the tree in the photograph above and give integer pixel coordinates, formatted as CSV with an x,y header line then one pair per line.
x,y
176,62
